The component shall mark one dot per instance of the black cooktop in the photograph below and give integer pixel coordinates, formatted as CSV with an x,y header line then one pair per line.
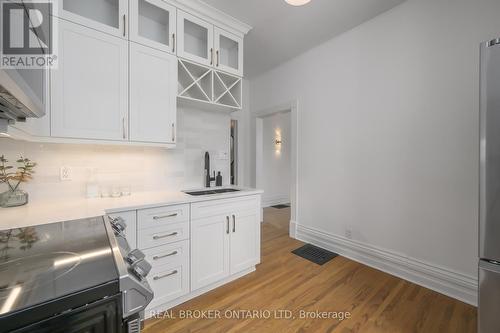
x,y
43,264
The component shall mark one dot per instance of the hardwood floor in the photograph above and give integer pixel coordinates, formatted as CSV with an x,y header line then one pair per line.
x,y
376,301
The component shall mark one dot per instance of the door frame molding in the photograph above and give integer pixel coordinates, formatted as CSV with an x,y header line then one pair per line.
x,y
257,118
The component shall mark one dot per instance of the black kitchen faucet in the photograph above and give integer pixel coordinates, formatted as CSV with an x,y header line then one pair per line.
x,y
208,179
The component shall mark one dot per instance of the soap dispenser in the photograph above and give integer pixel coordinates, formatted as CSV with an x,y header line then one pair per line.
x,y
218,179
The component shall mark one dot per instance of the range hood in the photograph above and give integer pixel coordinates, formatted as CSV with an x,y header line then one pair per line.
x,y
17,100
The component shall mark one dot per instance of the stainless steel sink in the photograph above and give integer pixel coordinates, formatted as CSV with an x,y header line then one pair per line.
x,y
210,192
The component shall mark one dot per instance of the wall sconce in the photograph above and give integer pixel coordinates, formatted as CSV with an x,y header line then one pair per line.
x,y
278,142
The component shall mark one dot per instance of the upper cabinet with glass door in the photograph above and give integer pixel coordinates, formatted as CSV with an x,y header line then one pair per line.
x,y
228,52
195,39
153,23
209,45
109,16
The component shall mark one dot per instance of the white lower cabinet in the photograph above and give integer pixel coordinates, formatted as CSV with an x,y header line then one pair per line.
x,y
210,239
198,245
245,241
225,242
169,277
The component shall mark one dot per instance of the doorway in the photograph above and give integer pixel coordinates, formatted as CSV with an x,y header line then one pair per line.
x,y
276,156
275,171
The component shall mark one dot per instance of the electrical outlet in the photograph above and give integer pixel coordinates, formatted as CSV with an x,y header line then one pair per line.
x,y
65,173
348,233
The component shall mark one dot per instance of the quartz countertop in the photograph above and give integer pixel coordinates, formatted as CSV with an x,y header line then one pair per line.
x,y
57,210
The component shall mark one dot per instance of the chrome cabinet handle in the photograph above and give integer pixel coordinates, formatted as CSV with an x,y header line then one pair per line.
x,y
227,225
173,43
124,25
165,255
217,57
159,217
234,223
159,277
173,132
211,56
155,237
123,128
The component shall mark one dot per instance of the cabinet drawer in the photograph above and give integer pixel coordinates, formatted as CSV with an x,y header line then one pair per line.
x,y
167,255
168,283
225,206
162,235
155,217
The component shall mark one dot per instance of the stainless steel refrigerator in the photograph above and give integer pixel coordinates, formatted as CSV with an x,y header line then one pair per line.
x,y
489,197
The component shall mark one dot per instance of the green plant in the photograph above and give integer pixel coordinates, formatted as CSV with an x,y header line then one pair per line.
x,y
23,173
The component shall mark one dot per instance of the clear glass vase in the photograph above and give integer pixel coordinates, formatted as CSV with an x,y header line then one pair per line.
x,y
13,198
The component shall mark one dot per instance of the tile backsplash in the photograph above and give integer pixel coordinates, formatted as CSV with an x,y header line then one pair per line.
x,y
140,168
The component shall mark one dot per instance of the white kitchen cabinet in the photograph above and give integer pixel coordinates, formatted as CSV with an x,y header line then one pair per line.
x,y
195,39
130,232
109,16
153,23
245,241
210,242
89,89
153,97
206,44
169,276
228,52
225,239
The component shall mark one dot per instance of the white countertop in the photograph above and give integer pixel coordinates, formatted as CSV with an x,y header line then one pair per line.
x,y
50,211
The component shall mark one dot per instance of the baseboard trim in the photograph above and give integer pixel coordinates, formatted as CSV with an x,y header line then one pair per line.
x,y
440,279
276,200
293,229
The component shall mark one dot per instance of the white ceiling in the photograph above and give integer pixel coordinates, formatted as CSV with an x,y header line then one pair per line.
x,y
281,32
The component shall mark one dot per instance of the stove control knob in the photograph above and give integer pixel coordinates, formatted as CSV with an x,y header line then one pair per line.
x,y
135,256
141,268
119,223
117,231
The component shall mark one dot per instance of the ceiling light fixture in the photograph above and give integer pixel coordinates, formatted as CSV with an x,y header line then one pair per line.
x,y
297,2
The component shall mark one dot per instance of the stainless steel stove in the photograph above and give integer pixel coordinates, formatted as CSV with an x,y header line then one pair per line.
x,y
71,276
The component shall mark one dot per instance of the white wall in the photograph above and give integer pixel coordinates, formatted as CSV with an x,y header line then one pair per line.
x,y
144,169
244,154
388,130
275,162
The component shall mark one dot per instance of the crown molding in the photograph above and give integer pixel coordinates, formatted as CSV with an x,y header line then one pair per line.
x,y
213,15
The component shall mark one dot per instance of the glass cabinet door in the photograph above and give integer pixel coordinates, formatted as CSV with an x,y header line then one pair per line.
x,y
195,39
228,52
109,16
152,23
